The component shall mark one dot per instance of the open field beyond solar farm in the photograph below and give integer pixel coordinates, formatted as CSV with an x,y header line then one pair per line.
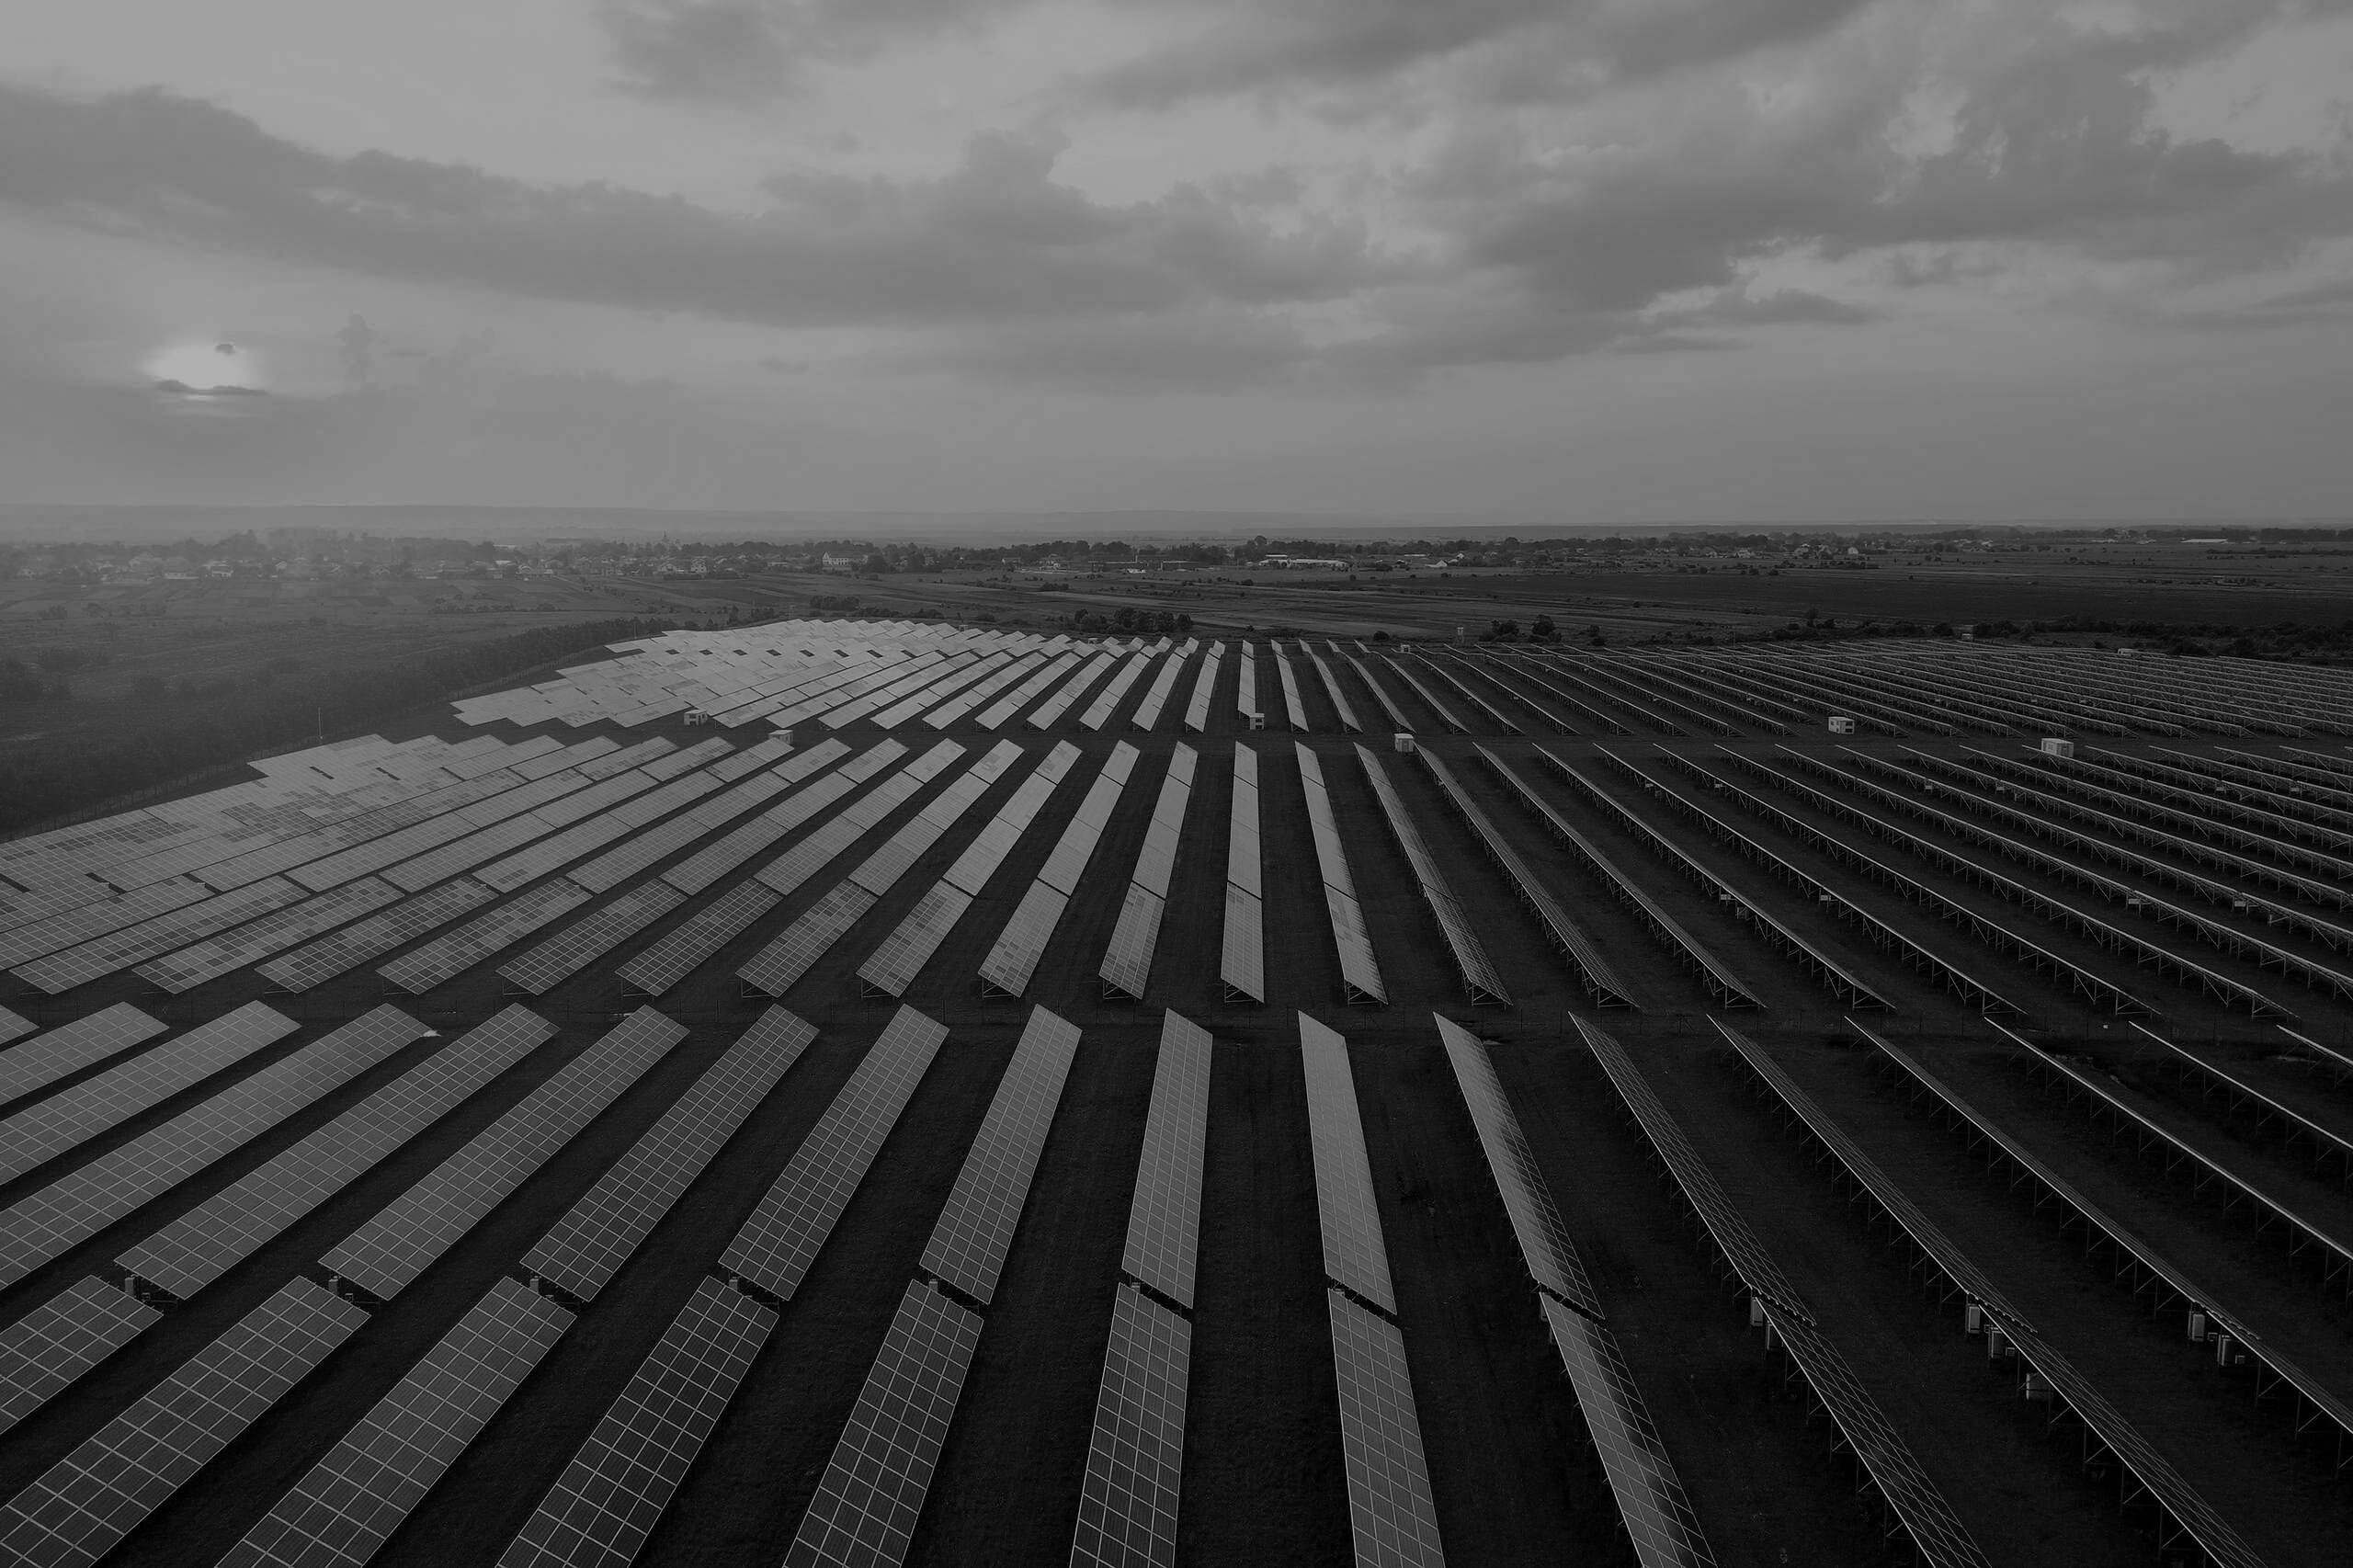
x,y
873,1091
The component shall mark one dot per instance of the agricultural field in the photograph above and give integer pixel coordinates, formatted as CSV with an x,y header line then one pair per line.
x,y
1306,1099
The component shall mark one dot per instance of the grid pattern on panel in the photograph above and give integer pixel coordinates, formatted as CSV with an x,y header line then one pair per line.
x,y
1658,1517
1544,1244
213,1237
1357,969
72,1115
408,1234
1014,958
1697,1183
42,933
352,1500
1155,696
193,965
1354,1254
64,970
372,937
71,1210
775,1246
895,963
872,1492
1126,962
606,1503
1380,1439
1098,712
696,938
1294,708
1242,953
488,933
69,1048
64,1338
975,1230
795,950
600,1231
1164,1224
1127,1510
1479,975
1197,711
583,941
84,1505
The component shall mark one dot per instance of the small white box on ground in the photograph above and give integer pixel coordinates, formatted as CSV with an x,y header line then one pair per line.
x,y
1841,725
2055,746
1404,741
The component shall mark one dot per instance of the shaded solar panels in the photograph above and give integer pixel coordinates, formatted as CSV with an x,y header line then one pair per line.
x,y
69,1048
872,1491
489,933
76,1206
1010,963
1359,976
1389,1490
1197,711
1479,981
1126,1511
376,934
355,1497
1241,957
610,1496
1128,961
902,955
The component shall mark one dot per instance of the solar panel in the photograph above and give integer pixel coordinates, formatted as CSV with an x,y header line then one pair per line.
x,y
895,963
694,941
84,1505
607,1224
48,1127
60,971
1390,1509
1127,1508
43,929
1107,702
575,946
975,1230
872,1492
69,1048
1164,1223
715,859
209,1240
600,1510
1360,974
1197,711
1155,695
775,1246
351,1501
408,1234
1479,979
1658,1517
779,966
1354,1256
1006,971
1544,1244
49,1346
193,965
1242,953
1126,962
491,932
402,923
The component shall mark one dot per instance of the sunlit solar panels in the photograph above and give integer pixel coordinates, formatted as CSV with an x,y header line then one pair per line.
x,y
1481,982
49,1127
1014,958
69,1048
1127,1508
351,1501
872,1491
547,964
1127,964
55,1343
695,940
1107,702
1197,710
205,1243
1390,1509
81,1507
892,966
1347,1213
1155,695
975,1228
408,1234
776,1245
489,933
1359,976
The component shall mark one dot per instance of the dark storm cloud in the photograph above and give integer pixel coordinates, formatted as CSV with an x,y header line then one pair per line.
x,y
995,238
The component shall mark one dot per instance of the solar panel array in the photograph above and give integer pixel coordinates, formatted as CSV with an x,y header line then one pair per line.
x,y
1241,958
1048,712
1543,1240
1347,1213
975,1230
396,1246
540,969
1390,1509
1197,711
695,940
1127,964
1155,695
69,1048
1347,714
738,844
1294,707
1107,702
1126,1511
339,952
899,957
489,933
1480,980
42,1352
814,854
1014,958
1360,974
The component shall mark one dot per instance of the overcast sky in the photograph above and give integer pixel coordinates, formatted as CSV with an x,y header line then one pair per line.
x,y
1590,260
